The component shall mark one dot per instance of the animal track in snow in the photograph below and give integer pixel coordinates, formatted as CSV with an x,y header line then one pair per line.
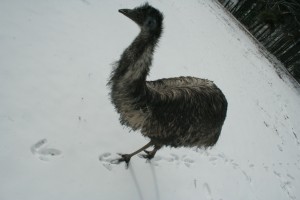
x,y
106,161
212,159
290,176
174,158
248,178
287,188
277,174
41,150
223,158
279,148
251,165
286,184
188,162
157,158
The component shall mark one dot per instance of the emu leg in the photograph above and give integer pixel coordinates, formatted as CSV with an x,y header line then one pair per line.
x,y
126,157
150,154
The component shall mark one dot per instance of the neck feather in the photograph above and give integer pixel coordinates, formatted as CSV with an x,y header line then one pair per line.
x,y
131,70
128,79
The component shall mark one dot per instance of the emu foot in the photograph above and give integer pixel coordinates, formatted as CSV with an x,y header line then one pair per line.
x,y
149,154
124,158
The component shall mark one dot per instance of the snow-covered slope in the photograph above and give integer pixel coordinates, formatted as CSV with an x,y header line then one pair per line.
x,y
58,130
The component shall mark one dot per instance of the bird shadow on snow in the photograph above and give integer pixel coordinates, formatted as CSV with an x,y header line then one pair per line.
x,y
107,162
137,185
135,181
157,195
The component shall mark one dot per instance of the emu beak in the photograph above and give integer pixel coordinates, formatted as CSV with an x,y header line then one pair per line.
x,y
125,12
130,14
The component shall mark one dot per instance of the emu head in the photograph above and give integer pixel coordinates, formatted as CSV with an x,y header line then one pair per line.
x,y
147,18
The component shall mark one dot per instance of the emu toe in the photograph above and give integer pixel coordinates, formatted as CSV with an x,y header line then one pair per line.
x,y
124,158
149,154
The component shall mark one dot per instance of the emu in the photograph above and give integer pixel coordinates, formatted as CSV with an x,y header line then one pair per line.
x,y
175,112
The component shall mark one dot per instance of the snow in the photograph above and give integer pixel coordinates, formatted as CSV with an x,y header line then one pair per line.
x,y
59,130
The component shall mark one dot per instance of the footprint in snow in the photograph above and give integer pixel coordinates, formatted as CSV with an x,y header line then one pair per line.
x,y
188,162
286,184
248,178
279,148
290,176
173,159
106,160
251,165
41,150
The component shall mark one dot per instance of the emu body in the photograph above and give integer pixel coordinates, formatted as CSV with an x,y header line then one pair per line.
x,y
176,112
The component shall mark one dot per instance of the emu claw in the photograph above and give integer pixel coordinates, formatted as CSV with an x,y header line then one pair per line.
x,y
149,155
124,158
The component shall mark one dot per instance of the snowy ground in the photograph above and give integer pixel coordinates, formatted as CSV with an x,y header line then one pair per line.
x,y
59,130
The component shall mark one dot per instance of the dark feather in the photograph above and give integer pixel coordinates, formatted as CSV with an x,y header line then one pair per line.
x,y
176,112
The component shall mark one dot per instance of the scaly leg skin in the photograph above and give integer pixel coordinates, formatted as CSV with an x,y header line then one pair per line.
x,y
126,157
150,154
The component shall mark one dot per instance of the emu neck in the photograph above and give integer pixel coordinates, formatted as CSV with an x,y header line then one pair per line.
x,y
130,75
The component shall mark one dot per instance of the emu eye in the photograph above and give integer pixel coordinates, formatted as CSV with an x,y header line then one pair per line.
x,y
151,23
